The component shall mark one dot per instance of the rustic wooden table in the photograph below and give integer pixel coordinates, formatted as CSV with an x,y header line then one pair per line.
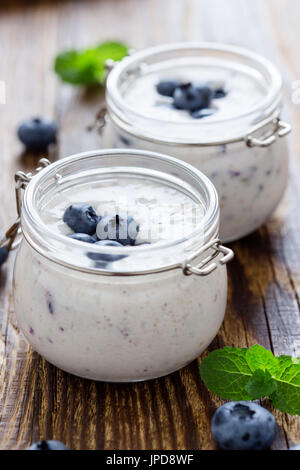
x,y
36,399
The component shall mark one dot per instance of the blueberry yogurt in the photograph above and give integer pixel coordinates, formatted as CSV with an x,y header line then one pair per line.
x,y
120,275
216,107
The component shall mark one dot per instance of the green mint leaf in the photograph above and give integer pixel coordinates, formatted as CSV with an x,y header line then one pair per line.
x,y
287,396
87,67
226,373
250,374
261,385
260,358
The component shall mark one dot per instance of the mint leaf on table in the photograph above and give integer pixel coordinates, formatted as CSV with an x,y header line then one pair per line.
x,y
287,396
250,374
261,384
260,358
87,67
226,373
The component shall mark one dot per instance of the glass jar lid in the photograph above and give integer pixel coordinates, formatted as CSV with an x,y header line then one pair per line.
x,y
252,83
93,175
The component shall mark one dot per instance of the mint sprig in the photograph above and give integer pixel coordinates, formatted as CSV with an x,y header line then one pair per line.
x,y
250,374
87,67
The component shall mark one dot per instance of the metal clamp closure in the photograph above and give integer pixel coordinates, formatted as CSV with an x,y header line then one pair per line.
x,y
281,129
207,265
22,179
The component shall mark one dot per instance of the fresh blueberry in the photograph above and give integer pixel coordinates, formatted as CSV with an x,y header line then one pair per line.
x,y
167,87
82,237
48,445
81,218
219,93
37,134
119,228
243,426
107,257
202,113
191,97
3,255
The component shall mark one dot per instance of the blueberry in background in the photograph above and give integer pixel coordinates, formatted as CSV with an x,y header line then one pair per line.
x,y
81,218
107,257
37,134
48,445
167,87
243,426
119,228
192,97
3,255
82,237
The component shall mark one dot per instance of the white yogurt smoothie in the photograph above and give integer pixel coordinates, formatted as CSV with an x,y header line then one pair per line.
x,y
119,327
250,180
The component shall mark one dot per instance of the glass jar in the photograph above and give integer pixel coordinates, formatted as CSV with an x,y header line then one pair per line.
x,y
240,148
148,313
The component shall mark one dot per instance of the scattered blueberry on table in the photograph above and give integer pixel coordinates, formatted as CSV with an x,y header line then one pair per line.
x,y
191,97
3,255
81,218
37,134
48,445
243,426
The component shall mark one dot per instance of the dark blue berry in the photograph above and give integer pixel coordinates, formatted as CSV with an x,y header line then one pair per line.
x,y
219,93
107,257
167,87
83,237
37,134
191,97
119,228
81,218
202,113
243,426
3,255
48,445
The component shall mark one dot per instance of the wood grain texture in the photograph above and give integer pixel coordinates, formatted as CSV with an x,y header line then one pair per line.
x,y
36,399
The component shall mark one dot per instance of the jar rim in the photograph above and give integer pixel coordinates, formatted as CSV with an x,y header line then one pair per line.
x,y
54,245
135,123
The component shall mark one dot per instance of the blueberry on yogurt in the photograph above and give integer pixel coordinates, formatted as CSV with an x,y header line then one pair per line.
x,y
81,218
106,257
119,228
82,237
48,445
192,97
167,87
243,426
203,113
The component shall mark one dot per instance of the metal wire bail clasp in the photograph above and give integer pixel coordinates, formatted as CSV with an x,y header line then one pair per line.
x,y
21,179
207,265
281,129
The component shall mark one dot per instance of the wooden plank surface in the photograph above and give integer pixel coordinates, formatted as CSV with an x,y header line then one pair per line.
x,y
36,399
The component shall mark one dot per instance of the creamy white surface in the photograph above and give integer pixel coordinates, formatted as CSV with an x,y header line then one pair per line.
x,y
163,212
244,92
